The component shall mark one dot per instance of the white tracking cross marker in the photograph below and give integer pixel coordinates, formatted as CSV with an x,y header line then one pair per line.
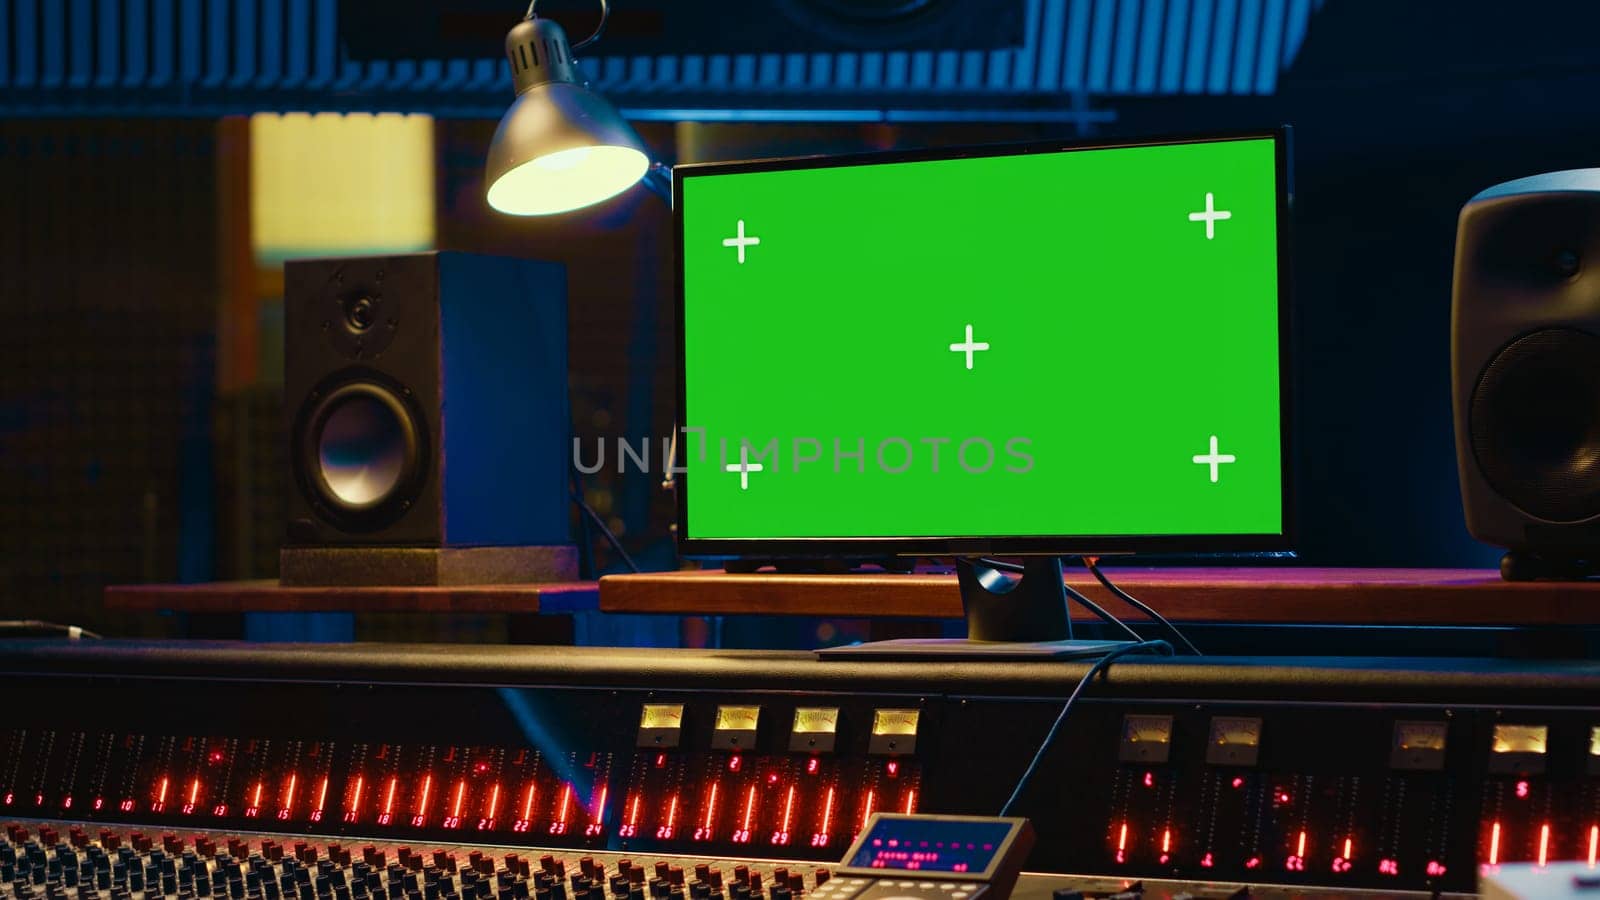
x,y
970,347
744,467
1214,459
1210,216
741,242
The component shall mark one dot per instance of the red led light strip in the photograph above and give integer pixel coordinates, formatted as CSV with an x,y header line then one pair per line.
x,y
1544,843
836,801
427,785
1494,845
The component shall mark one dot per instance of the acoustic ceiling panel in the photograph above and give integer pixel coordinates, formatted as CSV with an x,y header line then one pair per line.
x,y
210,57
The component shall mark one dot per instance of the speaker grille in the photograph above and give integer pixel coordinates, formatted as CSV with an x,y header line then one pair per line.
x,y
1535,424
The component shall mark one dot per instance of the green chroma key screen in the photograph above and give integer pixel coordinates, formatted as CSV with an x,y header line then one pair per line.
x,y
1050,343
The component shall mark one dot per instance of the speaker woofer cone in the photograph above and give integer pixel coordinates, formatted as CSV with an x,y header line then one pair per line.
x,y
1535,424
359,453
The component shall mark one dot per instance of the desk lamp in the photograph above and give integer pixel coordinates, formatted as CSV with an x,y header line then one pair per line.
x,y
561,146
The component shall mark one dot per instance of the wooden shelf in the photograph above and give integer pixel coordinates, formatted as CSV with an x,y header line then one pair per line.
x,y
1237,595
269,596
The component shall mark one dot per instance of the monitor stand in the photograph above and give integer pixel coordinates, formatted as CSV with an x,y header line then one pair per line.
x,y
1008,617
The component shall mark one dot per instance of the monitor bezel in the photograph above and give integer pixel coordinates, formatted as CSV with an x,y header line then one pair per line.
x,y
969,545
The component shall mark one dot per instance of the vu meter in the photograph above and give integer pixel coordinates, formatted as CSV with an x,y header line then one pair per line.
x,y
1235,741
1146,739
894,731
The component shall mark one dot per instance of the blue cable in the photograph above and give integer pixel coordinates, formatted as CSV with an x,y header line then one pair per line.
x,y
1055,729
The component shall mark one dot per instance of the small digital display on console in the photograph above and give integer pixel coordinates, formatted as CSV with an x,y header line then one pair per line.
x,y
924,844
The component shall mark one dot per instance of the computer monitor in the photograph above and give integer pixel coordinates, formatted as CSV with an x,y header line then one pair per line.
x,y
1051,348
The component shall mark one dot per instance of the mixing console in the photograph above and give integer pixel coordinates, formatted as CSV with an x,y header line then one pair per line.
x,y
283,765
88,863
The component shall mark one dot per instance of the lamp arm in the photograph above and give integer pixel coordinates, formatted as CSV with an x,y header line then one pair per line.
x,y
658,179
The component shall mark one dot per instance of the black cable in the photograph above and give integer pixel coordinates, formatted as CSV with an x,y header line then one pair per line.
x,y
587,567
1100,611
605,531
1094,569
38,628
1003,566
1055,729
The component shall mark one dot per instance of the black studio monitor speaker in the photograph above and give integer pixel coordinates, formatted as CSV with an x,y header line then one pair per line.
x,y
1526,371
426,410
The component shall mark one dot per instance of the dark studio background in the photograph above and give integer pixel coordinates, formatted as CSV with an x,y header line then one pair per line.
x,y
139,402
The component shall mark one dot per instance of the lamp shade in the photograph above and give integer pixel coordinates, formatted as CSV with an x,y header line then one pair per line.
x,y
560,146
